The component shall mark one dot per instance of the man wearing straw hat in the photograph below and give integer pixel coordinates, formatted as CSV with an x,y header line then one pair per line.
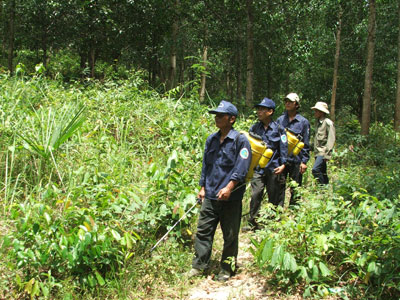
x,y
324,141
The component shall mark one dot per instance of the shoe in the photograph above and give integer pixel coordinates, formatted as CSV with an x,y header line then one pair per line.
x,y
223,275
248,228
193,273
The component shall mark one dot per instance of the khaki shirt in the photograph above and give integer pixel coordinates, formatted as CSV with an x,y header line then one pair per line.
x,y
324,139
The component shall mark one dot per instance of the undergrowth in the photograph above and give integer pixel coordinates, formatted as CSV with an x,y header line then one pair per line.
x,y
93,174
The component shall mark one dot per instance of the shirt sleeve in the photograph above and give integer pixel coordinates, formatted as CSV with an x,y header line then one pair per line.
x,y
283,146
243,160
204,166
330,141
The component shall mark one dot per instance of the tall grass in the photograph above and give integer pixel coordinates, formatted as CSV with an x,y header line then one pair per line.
x,y
88,188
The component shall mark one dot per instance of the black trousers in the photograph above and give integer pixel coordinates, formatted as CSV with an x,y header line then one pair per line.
x,y
228,214
293,171
275,189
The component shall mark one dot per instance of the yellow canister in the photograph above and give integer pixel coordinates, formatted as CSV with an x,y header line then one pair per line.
x,y
258,147
294,144
265,158
260,154
297,148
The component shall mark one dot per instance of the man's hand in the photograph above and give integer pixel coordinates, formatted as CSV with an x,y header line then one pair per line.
x,y
201,195
303,168
279,169
225,193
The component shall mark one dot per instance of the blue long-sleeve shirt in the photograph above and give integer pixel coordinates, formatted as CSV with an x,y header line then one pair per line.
x,y
275,137
225,162
300,126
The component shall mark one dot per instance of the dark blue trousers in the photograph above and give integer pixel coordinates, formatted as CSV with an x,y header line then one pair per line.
x,y
319,170
228,214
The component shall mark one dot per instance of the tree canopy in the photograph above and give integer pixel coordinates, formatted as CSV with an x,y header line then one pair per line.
x,y
293,46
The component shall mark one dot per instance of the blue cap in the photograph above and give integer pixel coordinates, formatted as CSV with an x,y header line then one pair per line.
x,y
225,107
266,102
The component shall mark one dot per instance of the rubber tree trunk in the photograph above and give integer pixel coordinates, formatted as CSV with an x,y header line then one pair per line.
x,y
336,65
92,62
397,106
203,74
366,110
250,55
172,70
239,93
11,37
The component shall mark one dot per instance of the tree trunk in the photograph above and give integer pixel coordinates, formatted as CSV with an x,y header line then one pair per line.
x,y
11,37
203,75
239,93
397,107
172,71
92,62
44,48
250,55
336,65
366,110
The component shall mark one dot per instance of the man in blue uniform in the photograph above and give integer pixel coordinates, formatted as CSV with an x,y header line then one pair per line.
x,y
226,161
296,123
275,138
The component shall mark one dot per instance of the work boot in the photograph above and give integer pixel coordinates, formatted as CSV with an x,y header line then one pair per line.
x,y
193,273
251,226
223,275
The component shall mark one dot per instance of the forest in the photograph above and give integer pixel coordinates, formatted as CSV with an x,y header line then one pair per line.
x,y
103,121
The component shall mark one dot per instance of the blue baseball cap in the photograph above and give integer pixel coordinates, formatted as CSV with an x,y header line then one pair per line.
x,y
266,102
225,107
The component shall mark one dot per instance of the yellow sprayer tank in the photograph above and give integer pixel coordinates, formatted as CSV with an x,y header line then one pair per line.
x,y
294,143
260,154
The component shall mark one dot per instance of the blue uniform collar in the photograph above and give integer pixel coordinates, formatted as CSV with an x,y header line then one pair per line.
x,y
231,134
296,117
271,124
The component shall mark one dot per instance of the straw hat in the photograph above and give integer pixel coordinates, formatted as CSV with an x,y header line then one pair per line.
x,y
321,106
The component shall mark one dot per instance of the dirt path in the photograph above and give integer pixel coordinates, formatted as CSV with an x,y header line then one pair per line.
x,y
246,284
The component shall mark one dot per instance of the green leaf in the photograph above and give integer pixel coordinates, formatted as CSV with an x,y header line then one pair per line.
x,y
307,292
29,285
286,261
128,240
277,256
47,217
92,280
115,234
293,264
303,273
324,269
372,267
315,273
99,278
35,289
267,251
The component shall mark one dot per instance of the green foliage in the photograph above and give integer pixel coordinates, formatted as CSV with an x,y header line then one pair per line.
x,y
98,185
53,242
64,65
330,242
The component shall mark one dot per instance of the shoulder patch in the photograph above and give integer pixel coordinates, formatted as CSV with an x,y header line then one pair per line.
x,y
244,153
283,138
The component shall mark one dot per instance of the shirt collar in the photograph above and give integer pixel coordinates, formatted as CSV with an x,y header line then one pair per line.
x,y
231,134
296,117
